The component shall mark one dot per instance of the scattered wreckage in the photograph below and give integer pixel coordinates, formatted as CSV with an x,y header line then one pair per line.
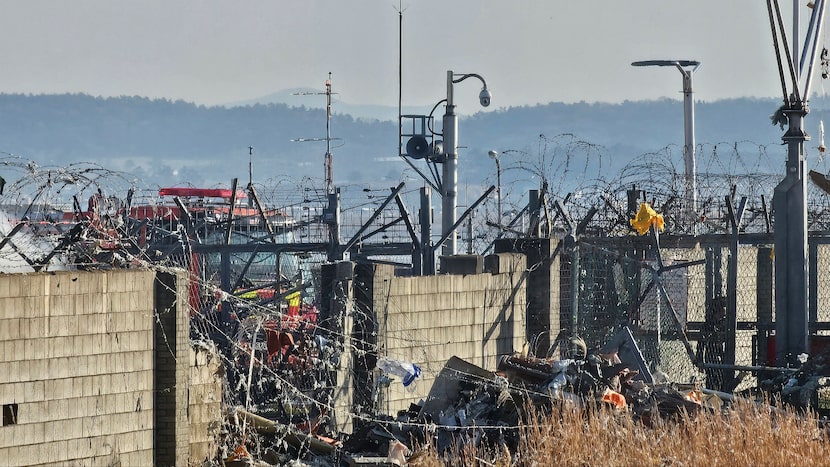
x,y
468,404
806,388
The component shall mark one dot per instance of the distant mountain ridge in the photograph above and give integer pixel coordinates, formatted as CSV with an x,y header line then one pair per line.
x,y
164,142
316,99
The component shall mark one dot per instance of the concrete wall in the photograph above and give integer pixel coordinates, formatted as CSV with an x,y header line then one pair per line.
x,y
77,362
336,326
171,370
543,292
427,320
95,369
205,403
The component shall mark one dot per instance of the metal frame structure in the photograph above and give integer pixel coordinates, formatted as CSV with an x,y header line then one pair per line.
x,y
790,198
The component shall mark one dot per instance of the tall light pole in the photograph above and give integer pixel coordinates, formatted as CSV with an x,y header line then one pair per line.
x,y
449,180
495,156
687,68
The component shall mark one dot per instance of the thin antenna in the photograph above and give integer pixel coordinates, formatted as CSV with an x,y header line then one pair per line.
x,y
400,11
327,161
400,75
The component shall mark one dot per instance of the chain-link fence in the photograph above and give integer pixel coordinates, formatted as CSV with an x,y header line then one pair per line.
x,y
700,308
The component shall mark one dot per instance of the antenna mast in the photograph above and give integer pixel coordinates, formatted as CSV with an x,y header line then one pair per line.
x,y
327,163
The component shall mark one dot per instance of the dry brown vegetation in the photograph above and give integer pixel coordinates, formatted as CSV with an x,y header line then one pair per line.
x,y
744,435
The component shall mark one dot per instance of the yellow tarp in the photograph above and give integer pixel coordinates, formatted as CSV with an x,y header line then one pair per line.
x,y
294,302
248,295
645,218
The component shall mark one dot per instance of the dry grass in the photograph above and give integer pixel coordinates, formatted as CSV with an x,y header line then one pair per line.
x,y
745,435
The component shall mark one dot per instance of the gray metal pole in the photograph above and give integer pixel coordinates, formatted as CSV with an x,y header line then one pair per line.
x,y
790,208
735,220
690,204
689,148
332,219
495,156
425,219
796,40
498,187
470,233
250,167
449,181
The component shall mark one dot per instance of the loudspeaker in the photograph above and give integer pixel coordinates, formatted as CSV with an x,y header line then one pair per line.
x,y
417,147
436,152
437,148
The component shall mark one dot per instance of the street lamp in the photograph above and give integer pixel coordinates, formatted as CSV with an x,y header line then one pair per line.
x,y
495,156
449,183
687,68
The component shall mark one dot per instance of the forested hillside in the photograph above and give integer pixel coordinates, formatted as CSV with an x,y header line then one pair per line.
x,y
163,142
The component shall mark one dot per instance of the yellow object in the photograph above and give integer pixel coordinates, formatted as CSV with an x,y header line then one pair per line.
x,y
645,218
294,298
294,302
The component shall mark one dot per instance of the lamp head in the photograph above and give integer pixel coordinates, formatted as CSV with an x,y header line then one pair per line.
x,y
484,97
493,154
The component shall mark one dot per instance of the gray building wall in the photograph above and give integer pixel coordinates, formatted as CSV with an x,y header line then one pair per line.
x,y
426,320
543,291
171,370
87,373
77,363
204,403
336,325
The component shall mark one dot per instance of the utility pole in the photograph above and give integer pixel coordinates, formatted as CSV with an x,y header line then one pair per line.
x,y
790,196
331,213
250,166
449,179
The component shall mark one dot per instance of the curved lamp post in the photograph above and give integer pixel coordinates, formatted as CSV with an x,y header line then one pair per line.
x,y
687,68
449,183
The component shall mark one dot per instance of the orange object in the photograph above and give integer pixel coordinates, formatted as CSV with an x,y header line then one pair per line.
x,y
695,396
614,398
240,453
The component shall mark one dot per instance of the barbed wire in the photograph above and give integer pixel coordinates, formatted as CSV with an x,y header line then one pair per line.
x,y
81,216
574,172
583,176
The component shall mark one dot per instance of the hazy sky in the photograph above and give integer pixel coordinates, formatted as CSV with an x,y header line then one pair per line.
x,y
529,51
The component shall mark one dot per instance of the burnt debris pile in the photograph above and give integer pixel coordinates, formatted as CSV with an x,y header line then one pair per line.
x,y
807,388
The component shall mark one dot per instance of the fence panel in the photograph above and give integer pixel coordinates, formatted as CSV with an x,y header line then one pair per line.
x,y
678,305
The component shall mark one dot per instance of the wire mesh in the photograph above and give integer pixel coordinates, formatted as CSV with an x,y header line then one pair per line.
x,y
607,280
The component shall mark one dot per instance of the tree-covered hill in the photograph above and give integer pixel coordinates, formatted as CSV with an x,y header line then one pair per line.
x,y
164,142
